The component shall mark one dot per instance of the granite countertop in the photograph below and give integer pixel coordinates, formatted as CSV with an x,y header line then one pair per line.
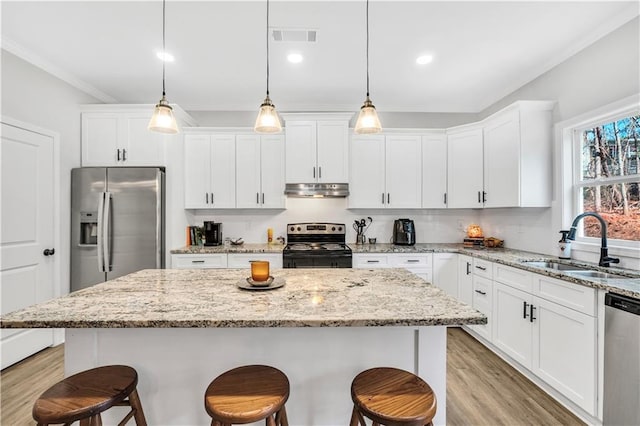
x,y
244,248
211,298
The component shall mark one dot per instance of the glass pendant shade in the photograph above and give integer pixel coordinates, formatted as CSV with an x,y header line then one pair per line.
x,y
268,120
162,120
368,121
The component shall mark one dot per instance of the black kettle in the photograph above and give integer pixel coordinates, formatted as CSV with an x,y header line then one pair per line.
x,y
404,232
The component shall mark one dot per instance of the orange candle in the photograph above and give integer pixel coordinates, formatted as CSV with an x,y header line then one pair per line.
x,y
259,270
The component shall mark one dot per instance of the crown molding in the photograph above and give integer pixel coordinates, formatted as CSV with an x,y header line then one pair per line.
x,y
36,60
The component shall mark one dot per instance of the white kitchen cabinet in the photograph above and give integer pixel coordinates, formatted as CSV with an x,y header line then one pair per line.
x,y
465,279
199,261
371,260
483,302
464,168
512,325
420,264
434,171
316,148
385,171
259,171
517,156
209,163
112,139
445,272
243,260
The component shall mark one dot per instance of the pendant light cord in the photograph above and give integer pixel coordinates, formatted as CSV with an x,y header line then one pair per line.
x,y
267,48
164,53
367,48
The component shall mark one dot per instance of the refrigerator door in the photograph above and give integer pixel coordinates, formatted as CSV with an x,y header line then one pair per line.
x,y
87,192
134,220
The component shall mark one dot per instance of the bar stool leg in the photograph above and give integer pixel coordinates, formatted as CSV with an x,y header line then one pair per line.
x,y
136,406
281,417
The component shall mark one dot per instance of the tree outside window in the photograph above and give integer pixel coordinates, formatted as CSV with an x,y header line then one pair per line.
x,y
609,181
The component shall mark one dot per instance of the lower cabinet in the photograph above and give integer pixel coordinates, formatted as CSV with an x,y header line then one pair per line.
x,y
420,264
554,342
465,279
482,301
445,273
243,260
199,261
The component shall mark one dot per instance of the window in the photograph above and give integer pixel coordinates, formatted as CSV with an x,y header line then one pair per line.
x,y
607,177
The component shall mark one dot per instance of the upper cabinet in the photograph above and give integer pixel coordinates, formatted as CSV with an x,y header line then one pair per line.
x,y
260,171
464,168
385,171
316,148
503,161
210,171
434,171
517,156
117,135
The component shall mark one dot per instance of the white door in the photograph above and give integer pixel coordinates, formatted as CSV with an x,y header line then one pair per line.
x,y
301,151
464,171
445,272
366,180
223,172
26,274
512,323
332,151
272,167
248,193
197,172
434,172
403,171
502,162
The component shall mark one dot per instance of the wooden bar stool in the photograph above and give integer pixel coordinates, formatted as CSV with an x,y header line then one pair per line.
x,y
85,395
391,397
248,394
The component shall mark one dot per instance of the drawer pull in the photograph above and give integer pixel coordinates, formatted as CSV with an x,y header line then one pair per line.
x,y
524,309
197,261
468,268
484,293
531,317
482,268
413,260
373,261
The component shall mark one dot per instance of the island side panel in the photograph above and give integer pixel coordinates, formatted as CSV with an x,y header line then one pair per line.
x,y
176,365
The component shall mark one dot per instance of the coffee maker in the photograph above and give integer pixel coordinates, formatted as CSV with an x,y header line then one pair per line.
x,y
212,233
404,232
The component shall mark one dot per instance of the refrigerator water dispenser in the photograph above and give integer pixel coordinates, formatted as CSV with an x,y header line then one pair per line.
x,y
88,228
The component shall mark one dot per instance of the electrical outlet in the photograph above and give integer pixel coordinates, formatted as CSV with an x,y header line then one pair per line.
x,y
460,225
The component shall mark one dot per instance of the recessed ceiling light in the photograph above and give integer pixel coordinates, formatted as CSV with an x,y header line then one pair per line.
x,y
295,58
165,56
424,59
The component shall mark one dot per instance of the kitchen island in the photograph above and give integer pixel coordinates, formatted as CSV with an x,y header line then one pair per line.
x,y
181,328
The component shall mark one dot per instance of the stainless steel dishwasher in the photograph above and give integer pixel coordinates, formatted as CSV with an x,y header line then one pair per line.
x,y
621,361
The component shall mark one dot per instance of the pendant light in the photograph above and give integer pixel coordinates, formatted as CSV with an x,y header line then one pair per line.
x,y
268,120
162,120
368,121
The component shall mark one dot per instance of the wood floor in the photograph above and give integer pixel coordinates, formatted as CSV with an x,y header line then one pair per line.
x,y
481,388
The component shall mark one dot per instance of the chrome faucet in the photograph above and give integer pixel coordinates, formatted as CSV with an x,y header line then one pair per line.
x,y
605,260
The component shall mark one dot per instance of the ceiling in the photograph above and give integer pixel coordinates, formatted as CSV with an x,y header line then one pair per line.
x,y
482,50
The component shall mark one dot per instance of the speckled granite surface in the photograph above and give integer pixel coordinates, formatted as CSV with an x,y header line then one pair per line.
x,y
244,248
211,298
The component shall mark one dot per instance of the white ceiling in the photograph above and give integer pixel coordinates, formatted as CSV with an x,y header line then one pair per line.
x,y
482,50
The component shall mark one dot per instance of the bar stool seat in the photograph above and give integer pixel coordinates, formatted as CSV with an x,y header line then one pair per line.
x,y
248,394
391,397
85,395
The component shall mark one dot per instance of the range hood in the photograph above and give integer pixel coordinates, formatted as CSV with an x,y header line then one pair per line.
x,y
317,190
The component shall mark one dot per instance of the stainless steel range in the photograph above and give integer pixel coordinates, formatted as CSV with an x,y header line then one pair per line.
x,y
316,245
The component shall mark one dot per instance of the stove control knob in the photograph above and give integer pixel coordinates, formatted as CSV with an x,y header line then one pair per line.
x,y
292,228
339,228
299,229
333,228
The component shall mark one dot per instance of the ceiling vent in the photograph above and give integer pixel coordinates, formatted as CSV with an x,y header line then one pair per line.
x,y
294,34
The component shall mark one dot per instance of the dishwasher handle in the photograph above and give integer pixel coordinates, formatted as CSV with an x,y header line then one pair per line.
x,y
623,303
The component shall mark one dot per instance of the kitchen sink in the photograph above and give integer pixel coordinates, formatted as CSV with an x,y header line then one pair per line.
x,y
557,266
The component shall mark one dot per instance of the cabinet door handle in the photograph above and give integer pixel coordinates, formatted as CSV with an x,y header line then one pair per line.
x,y
373,261
524,309
531,309
468,268
478,196
484,196
314,172
482,268
206,196
118,154
484,293
197,261
383,198
212,198
257,198
388,198
263,198
320,172
413,260
445,198
124,154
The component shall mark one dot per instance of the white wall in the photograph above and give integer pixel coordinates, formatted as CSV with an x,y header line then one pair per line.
x,y
34,96
605,72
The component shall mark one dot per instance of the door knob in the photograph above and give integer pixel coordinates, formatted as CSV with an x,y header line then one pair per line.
x,y
49,252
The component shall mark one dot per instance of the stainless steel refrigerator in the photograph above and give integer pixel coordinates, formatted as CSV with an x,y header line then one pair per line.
x,y
117,222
